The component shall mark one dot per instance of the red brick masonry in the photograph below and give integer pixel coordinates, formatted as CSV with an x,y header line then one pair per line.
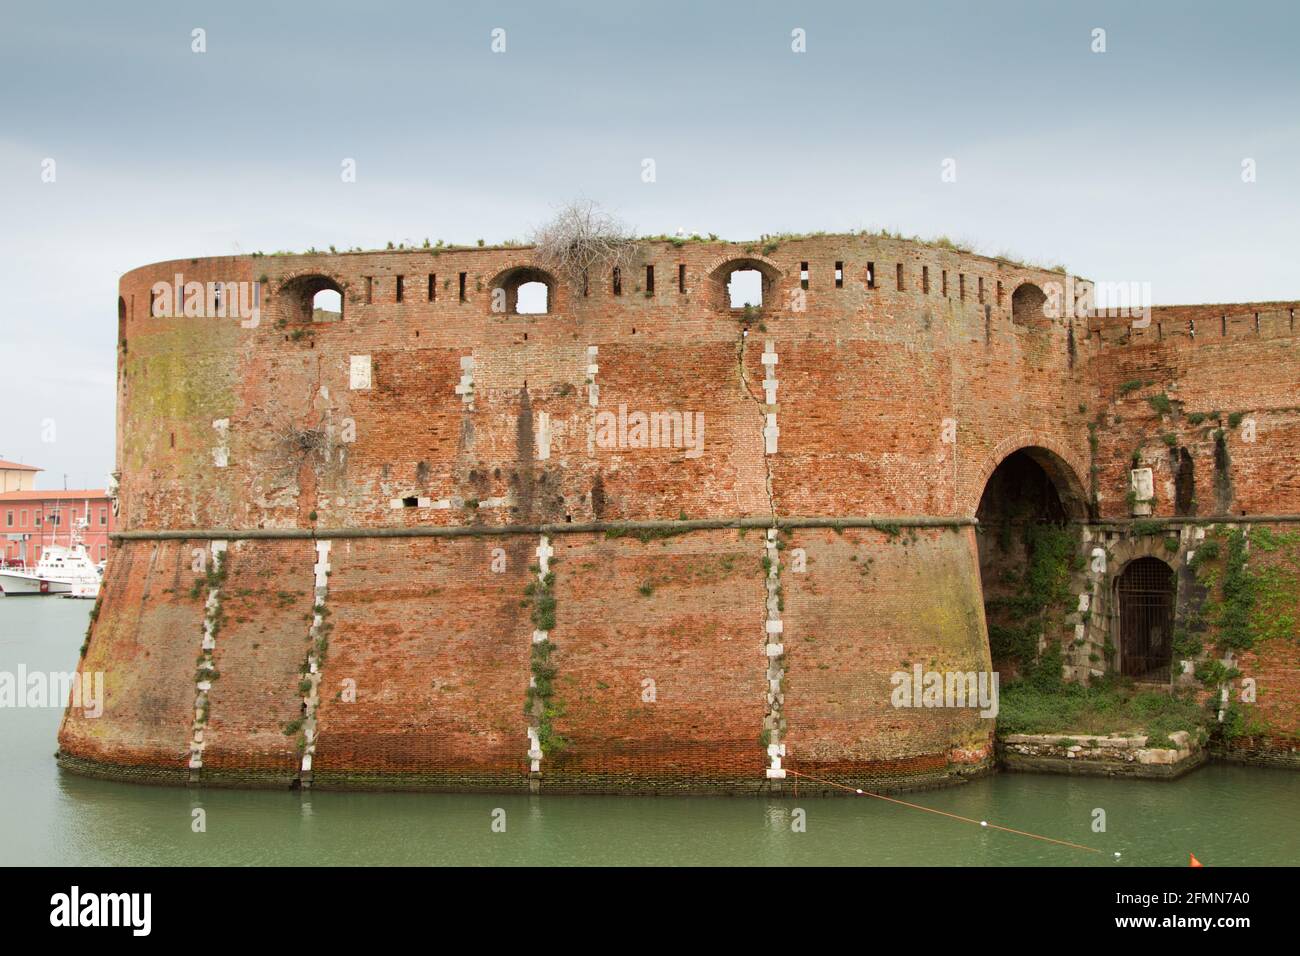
x,y
893,404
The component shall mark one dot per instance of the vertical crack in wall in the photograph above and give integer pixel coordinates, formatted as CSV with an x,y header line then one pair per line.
x,y
774,723
309,684
767,408
206,672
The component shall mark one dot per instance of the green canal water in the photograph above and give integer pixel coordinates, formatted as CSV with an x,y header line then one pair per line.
x,y
1226,815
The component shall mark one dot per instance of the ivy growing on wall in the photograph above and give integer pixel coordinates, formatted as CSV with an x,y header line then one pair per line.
x,y
1247,603
1044,588
540,701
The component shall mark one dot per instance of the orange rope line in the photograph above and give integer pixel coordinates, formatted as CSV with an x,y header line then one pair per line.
x,y
943,813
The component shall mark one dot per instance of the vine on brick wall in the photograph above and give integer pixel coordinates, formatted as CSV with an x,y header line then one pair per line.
x,y
214,617
540,701
1246,605
1043,592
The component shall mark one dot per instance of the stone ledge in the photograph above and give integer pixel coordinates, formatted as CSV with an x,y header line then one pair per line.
x,y
1111,755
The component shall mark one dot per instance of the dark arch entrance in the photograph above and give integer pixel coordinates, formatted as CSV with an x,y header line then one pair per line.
x,y
1025,550
1145,597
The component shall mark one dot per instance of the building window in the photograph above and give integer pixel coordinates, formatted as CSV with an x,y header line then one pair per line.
x,y
9,519
103,517
22,518
36,518
103,551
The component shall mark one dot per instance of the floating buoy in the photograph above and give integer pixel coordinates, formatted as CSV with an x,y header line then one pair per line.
x,y
1193,861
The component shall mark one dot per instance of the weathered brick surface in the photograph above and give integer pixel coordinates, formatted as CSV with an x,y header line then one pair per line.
x,y
871,382
437,645
872,604
266,600
146,636
659,652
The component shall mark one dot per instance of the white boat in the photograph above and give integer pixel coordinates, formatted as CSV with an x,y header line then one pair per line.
x,y
61,570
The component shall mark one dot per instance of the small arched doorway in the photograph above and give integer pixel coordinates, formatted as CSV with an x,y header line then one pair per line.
x,y
1145,600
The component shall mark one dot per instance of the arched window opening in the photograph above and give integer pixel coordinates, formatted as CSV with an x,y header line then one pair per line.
x,y
532,299
327,306
523,291
312,298
1145,619
743,285
745,289
1027,304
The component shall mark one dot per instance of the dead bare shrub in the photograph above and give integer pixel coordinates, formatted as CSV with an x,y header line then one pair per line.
x,y
582,240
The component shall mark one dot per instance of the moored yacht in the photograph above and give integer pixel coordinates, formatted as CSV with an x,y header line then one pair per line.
x,y
61,570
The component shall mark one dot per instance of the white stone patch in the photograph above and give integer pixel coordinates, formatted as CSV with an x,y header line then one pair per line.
x,y
221,453
1144,490
311,697
542,435
544,554
770,434
202,684
465,387
322,567
773,648
769,360
593,390
359,372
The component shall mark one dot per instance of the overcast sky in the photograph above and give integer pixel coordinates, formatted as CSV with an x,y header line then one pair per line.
x,y
1123,165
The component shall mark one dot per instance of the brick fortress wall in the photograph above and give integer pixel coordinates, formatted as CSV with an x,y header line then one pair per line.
x,y
421,515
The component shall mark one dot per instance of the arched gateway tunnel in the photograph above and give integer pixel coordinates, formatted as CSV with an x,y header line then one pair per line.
x,y
446,519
